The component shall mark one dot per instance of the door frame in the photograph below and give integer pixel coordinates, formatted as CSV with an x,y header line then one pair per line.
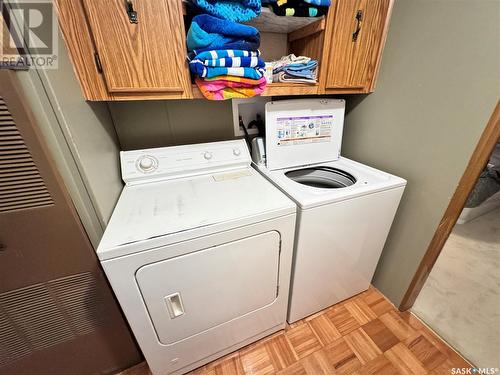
x,y
477,162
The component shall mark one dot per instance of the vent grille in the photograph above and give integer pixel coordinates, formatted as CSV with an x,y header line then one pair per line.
x,y
21,185
42,315
84,307
33,310
12,345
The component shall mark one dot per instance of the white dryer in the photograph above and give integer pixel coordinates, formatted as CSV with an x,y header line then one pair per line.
x,y
198,252
345,209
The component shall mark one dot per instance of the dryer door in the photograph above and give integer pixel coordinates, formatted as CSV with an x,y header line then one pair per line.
x,y
193,293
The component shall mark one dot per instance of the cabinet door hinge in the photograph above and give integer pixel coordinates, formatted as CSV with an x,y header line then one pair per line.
x,y
98,62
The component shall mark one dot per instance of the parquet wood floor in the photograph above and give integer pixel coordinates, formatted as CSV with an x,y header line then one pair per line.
x,y
365,334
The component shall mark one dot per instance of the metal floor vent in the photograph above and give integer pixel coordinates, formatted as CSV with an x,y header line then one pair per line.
x,y
42,315
21,185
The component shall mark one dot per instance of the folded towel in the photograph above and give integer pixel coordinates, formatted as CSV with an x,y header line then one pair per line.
x,y
230,58
285,77
220,53
291,68
302,70
303,73
295,69
243,80
211,33
320,3
287,60
311,64
296,8
203,71
228,87
233,10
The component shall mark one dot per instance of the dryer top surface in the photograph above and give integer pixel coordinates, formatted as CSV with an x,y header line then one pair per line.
x,y
178,207
183,192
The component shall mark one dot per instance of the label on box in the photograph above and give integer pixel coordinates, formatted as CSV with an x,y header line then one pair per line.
x,y
303,129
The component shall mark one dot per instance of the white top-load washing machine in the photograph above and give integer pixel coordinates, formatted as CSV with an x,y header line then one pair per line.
x,y
198,252
345,209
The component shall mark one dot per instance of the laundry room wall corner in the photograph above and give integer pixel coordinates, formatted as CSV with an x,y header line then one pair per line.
x,y
437,88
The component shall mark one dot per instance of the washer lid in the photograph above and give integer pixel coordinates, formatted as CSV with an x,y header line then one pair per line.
x,y
368,181
303,131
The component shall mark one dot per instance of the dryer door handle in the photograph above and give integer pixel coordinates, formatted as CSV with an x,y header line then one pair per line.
x,y
174,305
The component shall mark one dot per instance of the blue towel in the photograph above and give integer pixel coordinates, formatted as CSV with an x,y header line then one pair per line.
x,y
320,3
233,10
210,33
229,59
307,71
311,65
304,73
238,63
291,68
218,54
211,72
211,64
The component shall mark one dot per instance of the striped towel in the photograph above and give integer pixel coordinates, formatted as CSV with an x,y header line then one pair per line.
x,y
230,58
228,87
238,63
209,72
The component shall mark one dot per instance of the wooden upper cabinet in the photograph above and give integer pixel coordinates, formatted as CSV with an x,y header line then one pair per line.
x,y
356,33
116,59
147,56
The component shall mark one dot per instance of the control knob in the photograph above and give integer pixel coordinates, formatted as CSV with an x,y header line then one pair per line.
x,y
147,163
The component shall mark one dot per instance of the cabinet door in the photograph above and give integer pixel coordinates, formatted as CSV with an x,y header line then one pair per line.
x,y
357,39
147,56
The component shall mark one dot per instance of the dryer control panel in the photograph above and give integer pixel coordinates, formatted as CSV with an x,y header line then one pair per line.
x,y
164,163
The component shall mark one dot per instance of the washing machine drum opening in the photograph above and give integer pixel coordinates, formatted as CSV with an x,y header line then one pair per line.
x,y
322,177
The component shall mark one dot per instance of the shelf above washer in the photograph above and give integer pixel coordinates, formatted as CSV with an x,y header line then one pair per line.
x,y
276,89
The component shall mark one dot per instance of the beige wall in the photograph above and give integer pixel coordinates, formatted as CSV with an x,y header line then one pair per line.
x,y
90,134
438,85
173,122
